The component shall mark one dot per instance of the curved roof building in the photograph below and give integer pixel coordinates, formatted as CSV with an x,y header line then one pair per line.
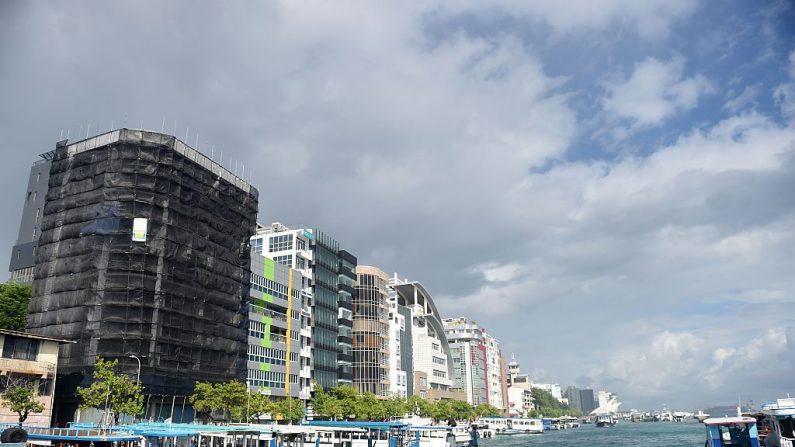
x,y
431,351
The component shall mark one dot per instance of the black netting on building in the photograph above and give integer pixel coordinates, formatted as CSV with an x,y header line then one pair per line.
x,y
178,299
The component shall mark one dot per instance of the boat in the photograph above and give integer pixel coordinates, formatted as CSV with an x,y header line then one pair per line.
x,y
737,431
512,426
605,420
700,416
779,417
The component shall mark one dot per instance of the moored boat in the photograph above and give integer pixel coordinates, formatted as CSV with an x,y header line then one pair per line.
x,y
737,431
605,420
779,417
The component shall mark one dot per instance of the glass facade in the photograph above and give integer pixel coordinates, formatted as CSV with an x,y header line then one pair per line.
x,y
371,332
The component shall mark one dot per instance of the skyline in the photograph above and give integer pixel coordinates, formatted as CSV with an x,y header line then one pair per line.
x,y
632,163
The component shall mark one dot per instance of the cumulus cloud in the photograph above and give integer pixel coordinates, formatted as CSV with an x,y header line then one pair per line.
x,y
654,92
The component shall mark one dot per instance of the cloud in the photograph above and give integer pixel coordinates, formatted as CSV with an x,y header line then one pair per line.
x,y
784,94
746,98
654,92
650,19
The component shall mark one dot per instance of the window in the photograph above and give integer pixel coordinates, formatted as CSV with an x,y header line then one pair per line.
x,y
38,211
34,235
38,177
20,348
284,259
35,194
256,246
280,243
301,244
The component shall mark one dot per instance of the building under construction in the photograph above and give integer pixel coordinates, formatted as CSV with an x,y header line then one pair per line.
x,y
144,252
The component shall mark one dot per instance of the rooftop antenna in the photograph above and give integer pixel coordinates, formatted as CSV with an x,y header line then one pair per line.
x,y
221,162
243,173
67,132
186,133
111,124
141,126
197,140
235,168
60,136
88,129
163,126
212,152
80,132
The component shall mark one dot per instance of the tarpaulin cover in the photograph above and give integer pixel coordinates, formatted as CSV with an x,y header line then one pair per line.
x,y
176,300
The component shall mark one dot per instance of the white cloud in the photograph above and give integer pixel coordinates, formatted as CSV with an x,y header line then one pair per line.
x,y
651,19
654,92
746,98
493,272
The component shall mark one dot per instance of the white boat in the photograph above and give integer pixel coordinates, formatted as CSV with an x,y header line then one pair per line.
x,y
605,420
779,416
700,416
513,426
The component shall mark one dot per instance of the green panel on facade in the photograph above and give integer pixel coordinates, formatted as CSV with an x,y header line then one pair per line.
x,y
269,272
264,366
259,302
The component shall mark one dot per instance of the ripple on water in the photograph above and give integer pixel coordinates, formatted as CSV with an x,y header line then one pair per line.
x,y
627,434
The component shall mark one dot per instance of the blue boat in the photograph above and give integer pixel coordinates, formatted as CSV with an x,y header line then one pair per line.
x,y
739,431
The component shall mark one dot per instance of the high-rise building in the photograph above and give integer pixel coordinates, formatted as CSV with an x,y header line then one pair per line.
x,y
144,251
468,352
274,315
329,286
23,253
432,360
587,400
371,332
574,396
292,248
401,348
495,374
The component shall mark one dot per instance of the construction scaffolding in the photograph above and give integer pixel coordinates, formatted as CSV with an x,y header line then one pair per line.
x,y
171,291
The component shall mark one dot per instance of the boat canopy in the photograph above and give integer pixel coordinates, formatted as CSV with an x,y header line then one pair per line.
x,y
729,420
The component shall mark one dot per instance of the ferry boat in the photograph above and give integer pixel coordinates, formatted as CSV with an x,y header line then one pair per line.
x,y
779,416
512,426
605,420
737,431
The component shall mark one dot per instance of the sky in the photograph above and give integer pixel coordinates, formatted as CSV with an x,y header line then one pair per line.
x,y
608,187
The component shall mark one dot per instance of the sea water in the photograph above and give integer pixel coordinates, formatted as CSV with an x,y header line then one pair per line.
x,y
624,434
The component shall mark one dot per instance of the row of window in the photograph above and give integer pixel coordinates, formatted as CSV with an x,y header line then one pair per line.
x,y
280,243
440,374
270,287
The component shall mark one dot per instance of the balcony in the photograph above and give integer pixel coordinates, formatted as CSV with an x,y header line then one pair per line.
x,y
26,367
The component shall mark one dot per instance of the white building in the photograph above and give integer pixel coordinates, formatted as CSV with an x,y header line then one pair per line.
x,y
608,403
469,358
551,388
431,352
494,372
292,248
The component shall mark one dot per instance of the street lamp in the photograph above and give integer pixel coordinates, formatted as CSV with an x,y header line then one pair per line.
x,y
138,377
248,402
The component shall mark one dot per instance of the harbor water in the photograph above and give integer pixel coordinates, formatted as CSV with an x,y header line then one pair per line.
x,y
627,434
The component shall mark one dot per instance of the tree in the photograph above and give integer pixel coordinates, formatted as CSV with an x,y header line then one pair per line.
x,y
21,399
461,411
290,409
396,406
487,410
112,391
232,399
419,406
548,406
14,299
